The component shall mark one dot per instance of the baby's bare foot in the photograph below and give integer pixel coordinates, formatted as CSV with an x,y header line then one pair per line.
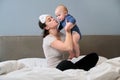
x,y
77,55
71,56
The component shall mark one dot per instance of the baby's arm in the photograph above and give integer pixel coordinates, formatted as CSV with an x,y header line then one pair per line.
x,y
69,26
71,21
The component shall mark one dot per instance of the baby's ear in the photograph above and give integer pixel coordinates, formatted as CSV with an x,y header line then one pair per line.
x,y
66,12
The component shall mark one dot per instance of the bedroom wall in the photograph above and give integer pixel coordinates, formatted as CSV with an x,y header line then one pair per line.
x,y
94,17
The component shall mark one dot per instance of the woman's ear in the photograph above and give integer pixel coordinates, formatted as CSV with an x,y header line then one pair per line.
x,y
47,28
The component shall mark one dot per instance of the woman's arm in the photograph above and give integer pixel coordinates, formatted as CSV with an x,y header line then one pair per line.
x,y
66,45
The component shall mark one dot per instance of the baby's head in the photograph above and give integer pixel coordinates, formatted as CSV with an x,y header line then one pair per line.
x,y
61,11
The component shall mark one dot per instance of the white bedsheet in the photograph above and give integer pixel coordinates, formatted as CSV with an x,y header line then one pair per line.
x,y
107,70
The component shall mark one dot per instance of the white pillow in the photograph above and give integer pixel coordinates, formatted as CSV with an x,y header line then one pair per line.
x,y
33,62
10,65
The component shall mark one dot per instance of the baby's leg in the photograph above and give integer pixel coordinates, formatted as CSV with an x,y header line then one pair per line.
x,y
77,50
76,38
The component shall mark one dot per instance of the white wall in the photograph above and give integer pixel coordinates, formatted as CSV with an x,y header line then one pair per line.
x,y
94,17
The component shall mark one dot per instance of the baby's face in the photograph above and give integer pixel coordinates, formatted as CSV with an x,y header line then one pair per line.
x,y
60,14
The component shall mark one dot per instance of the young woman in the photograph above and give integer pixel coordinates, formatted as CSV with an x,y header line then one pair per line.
x,y
55,43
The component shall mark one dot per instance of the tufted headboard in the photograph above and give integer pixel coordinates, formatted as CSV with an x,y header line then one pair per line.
x,y
16,47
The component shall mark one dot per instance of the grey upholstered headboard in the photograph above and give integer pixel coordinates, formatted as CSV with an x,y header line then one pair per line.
x,y
105,45
16,47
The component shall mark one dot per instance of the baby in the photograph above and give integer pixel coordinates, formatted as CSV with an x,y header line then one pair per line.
x,y
62,15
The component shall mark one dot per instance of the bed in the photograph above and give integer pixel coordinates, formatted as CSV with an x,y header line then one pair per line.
x,y
22,58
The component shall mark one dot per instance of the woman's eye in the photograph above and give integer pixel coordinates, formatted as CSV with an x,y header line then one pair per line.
x,y
49,20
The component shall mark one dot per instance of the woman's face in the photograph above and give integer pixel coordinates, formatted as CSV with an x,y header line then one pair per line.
x,y
51,22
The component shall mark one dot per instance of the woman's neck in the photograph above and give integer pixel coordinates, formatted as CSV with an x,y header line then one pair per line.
x,y
53,32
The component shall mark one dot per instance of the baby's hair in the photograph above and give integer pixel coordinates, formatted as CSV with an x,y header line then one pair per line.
x,y
63,7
